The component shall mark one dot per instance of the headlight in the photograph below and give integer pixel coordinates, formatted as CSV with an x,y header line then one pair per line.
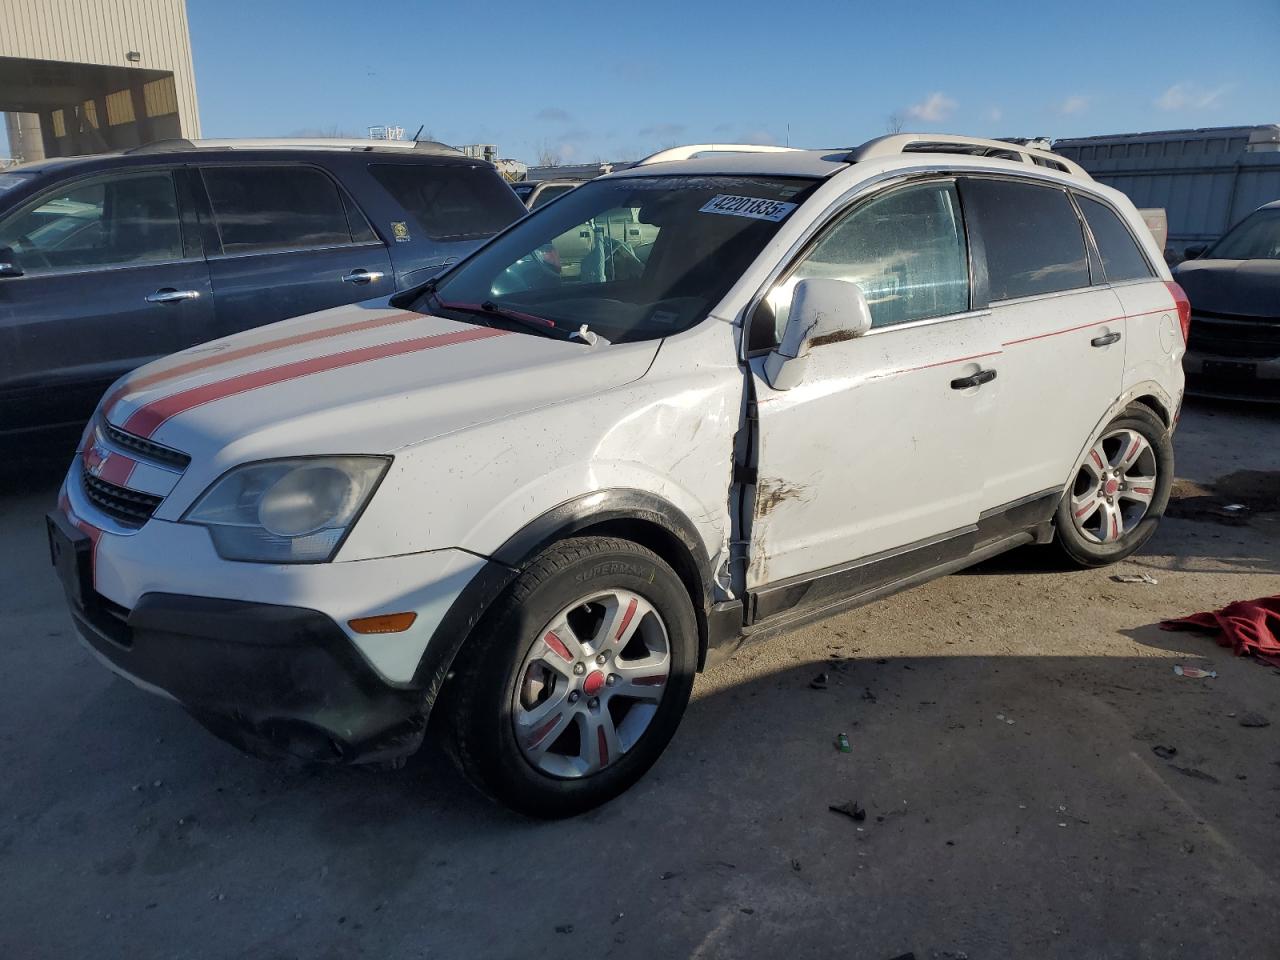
x,y
286,511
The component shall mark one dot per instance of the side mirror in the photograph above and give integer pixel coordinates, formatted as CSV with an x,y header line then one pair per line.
x,y
9,266
823,311
1195,250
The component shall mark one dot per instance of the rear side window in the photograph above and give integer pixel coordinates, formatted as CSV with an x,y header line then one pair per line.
x,y
1032,235
1121,257
275,208
450,202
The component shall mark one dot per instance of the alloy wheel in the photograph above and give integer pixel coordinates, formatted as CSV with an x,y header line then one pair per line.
x,y
591,684
1114,486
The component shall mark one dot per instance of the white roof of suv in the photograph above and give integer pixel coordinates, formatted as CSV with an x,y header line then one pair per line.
x,y
761,159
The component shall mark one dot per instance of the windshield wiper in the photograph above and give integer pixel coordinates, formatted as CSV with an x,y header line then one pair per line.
x,y
490,309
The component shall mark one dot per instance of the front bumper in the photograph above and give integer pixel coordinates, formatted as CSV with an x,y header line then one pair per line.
x,y
1231,377
276,671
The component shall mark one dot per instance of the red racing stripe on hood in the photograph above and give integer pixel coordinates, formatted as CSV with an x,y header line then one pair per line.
x,y
217,359
144,421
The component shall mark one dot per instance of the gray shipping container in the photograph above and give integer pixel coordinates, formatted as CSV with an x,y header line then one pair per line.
x,y
1207,180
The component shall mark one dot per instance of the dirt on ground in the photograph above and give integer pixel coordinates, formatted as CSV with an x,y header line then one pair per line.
x,y
1037,781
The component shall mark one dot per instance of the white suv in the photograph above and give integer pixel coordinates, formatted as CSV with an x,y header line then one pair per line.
x,y
681,406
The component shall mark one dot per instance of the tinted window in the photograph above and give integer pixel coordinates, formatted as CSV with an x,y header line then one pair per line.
x,y
450,202
1257,237
1121,257
275,208
112,221
905,249
1032,235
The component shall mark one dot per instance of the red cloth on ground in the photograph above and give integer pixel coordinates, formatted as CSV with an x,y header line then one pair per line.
x,y
1251,627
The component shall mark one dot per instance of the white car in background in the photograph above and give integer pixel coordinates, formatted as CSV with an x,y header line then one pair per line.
x,y
536,499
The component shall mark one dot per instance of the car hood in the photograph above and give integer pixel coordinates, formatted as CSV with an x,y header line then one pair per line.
x,y
367,378
1248,288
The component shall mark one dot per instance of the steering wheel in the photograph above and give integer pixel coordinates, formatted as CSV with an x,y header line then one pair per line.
x,y
30,253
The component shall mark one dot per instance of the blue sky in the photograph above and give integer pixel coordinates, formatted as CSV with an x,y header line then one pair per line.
x,y
615,80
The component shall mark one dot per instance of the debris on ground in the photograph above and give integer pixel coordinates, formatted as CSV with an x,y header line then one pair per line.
x,y
565,928
842,743
795,865
853,810
1136,578
820,681
868,695
1254,720
1003,718
1195,774
668,875
1193,673
1165,753
1249,627
904,956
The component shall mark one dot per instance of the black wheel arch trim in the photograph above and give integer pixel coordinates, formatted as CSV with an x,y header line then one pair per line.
x,y
610,511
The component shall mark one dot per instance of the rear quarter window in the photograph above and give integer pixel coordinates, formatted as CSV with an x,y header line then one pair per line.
x,y
1033,238
450,202
1122,258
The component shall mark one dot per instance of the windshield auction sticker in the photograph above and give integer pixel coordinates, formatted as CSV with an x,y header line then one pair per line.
x,y
752,207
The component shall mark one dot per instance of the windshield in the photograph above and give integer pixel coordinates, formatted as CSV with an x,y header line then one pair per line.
x,y
1256,237
10,181
633,258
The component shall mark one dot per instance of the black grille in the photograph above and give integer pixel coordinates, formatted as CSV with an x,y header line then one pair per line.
x,y
1224,336
130,507
145,448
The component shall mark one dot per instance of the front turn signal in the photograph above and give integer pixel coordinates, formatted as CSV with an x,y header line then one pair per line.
x,y
383,623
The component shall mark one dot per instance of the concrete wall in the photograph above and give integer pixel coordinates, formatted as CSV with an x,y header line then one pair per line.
x,y
103,32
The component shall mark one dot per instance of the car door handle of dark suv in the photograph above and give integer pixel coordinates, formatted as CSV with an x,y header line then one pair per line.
x,y
362,276
1105,340
977,380
170,295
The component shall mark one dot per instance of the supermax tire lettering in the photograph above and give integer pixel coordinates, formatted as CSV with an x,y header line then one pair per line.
x,y
604,569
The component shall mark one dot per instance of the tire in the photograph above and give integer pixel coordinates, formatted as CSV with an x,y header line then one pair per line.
x,y
535,721
1088,537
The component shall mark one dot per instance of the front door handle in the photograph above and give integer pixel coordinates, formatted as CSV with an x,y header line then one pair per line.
x,y
1105,340
360,275
977,380
170,295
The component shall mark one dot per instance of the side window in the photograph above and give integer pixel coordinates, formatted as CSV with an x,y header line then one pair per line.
x,y
1122,259
1033,238
906,249
258,209
114,221
450,202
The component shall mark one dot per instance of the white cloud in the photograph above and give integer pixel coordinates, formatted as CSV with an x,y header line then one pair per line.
x,y
994,115
1074,104
1190,96
937,106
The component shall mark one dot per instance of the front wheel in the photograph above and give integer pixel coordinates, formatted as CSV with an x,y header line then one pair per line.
x,y
1118,492
577,678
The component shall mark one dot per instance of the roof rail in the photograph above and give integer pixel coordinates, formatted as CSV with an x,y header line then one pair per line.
x,y
896,144
692,150
296,143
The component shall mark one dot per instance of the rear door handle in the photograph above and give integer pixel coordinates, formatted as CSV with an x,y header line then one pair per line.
x,y
170,295
977,380
1105,340
360,275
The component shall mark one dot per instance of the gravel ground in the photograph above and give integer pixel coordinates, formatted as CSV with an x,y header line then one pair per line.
x,y
1004,725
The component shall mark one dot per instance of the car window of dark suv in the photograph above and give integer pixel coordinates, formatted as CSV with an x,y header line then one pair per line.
x,y
260,208
450,202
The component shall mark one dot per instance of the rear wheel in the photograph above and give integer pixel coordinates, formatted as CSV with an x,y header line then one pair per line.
x,y
1118,492
577,678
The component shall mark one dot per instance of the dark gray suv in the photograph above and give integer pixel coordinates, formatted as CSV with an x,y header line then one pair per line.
x,y
109,261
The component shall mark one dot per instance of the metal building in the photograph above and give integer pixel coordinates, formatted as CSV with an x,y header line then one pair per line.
x,y
83,76
1206,179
